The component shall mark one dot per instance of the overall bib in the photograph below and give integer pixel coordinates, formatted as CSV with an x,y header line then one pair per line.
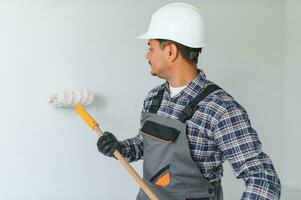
x,y
168,168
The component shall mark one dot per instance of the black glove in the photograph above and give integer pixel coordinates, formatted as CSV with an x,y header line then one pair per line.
x,y
107,144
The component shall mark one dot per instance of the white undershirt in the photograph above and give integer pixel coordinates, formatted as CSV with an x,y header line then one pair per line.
x,y
175,90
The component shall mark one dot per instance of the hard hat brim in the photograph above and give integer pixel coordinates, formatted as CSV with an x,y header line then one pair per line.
x,y
143,36
182,39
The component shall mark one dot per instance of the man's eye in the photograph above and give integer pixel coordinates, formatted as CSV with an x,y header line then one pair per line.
x,y
150,49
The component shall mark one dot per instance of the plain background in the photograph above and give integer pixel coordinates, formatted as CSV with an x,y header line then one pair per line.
x,y
54,46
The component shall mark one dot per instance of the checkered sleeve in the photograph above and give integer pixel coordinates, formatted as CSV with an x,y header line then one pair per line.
x,y
132,148
240,145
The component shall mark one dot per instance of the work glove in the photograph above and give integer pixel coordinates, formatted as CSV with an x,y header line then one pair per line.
x,y
107,144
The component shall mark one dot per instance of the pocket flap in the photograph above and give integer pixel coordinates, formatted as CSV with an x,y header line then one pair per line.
x,y
160,131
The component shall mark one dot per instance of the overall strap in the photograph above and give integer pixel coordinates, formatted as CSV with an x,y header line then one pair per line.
x,y
156,102
192,106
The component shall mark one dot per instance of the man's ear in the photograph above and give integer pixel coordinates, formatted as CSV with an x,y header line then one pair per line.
x,y
172,51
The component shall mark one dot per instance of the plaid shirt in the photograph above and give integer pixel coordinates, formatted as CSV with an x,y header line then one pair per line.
x,y
219,129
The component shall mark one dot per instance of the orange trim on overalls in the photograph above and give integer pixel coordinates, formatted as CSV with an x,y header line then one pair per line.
x,y
164,180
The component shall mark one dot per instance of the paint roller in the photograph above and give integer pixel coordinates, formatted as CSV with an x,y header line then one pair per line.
x,y
70,99
79,99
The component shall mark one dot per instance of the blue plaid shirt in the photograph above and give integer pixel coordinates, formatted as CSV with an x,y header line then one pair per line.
x,y
219,129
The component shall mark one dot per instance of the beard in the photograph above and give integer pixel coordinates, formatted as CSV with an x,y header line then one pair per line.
x,y
152,73
158,74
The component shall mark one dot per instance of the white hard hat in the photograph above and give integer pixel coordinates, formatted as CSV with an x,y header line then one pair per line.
x,y
179,22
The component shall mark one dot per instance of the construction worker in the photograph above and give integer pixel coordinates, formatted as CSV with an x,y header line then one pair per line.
x,y
189,125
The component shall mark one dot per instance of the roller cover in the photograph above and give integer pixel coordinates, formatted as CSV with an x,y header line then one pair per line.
x,y
69,99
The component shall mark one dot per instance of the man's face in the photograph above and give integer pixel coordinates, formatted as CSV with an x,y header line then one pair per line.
x,y
157,59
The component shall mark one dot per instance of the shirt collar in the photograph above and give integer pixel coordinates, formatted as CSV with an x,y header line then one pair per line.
x,y
193,88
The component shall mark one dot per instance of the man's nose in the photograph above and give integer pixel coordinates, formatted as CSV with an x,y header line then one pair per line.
x,y
147,56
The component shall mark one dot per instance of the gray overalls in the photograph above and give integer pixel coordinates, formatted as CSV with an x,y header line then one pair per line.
x,y
168,167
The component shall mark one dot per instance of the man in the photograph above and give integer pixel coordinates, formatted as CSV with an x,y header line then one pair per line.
x,y
190,126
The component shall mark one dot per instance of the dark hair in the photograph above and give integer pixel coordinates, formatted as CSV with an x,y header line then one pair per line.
x,y
190,54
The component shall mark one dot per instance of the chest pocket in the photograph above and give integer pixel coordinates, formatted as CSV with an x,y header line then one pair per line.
x,y
160,132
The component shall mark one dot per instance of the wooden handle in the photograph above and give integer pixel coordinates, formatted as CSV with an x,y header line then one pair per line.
x,y
131,170
80,110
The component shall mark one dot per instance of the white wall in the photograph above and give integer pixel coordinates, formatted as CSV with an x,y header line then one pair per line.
x,y
53,46
292,99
